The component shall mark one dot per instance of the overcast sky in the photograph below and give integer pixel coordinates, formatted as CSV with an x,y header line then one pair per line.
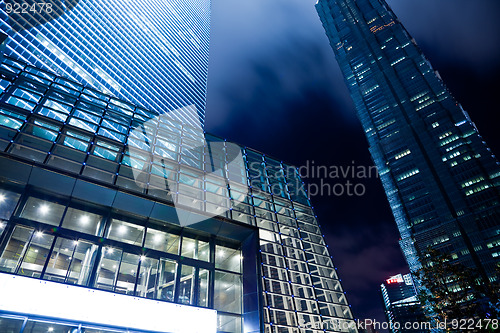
x,y
274,85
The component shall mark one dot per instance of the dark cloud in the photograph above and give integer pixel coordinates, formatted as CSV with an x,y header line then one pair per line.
x,y
368,257
274,85
465,32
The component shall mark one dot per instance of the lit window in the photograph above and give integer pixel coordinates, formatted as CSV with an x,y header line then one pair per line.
x,y
195,248
227,292
228,259
82,221
162,241
42,211
8,202
126,232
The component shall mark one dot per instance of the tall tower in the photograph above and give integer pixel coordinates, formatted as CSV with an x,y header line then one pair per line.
x,y
441,180
150,53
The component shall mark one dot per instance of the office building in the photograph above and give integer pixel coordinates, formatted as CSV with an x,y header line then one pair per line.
x,y
115,218
402,308
153,54
441,179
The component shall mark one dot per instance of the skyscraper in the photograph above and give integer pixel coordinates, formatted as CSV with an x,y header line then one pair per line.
x,y
150,53
115,218
402,308
441,180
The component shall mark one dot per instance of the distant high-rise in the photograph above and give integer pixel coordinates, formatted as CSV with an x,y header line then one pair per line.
x,y
441,179
150,53
402,308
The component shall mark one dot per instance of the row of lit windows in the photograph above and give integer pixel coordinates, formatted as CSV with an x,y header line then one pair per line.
x,y
80,142
36,250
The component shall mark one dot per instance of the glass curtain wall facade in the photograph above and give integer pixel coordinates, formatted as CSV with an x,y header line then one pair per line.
x,y
441,179
101,227
150,53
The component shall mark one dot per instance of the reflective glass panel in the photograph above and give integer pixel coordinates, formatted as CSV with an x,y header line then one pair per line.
x,y
126,232
166,282
8,202
108,268
195,248
10,325
148,275
227,292
232,324
186,292
3,224
60,259
127,274
15,248
203,287
162,241
36,255
44,327
42,211
82,263
228,259
82,221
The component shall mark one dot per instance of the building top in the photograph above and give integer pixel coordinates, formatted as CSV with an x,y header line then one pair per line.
x,y
149,53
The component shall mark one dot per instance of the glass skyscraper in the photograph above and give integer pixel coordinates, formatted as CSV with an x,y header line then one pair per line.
x,y
115,218
150,53
441,180
402,307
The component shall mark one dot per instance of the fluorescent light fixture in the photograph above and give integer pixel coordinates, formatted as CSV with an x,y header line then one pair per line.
x,y
2,198
122,229
157,238
84,219
49,299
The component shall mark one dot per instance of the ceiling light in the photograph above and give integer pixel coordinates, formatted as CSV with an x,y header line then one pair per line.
x,y
44,209
157,238
84,219
122,229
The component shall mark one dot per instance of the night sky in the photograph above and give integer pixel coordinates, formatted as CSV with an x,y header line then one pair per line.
x,y
274,85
